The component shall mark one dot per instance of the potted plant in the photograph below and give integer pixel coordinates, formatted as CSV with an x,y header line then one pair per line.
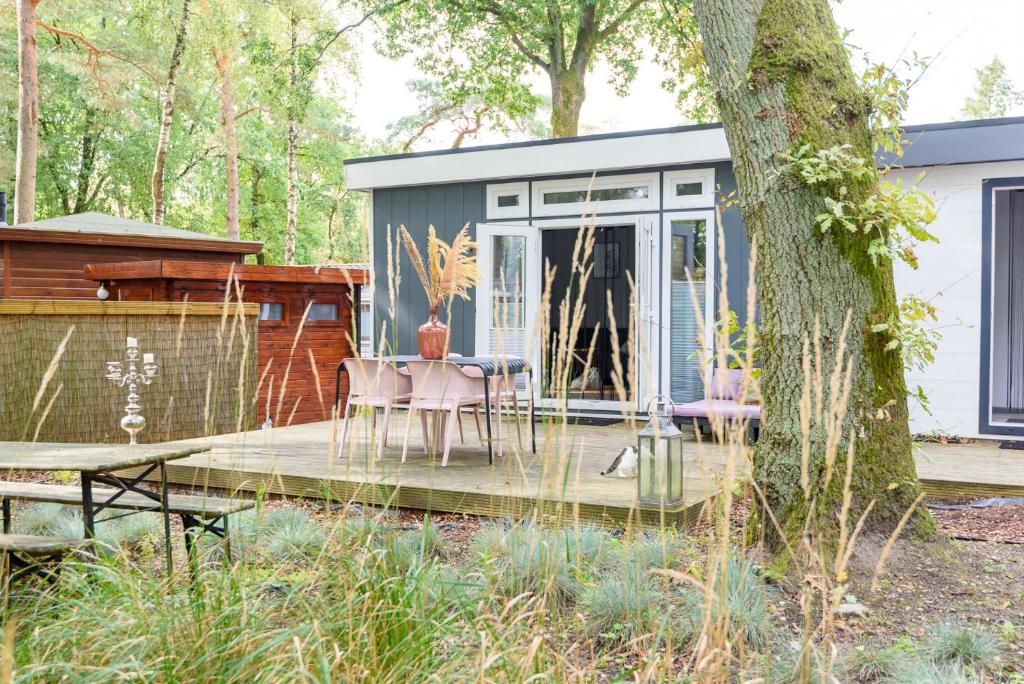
x,y
450,271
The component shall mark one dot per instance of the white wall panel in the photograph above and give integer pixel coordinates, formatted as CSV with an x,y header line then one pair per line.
x,y
950,273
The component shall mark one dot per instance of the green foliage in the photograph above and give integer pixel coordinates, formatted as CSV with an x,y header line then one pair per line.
x,y
484,52
915,671
99,119
745,601
994,94
873,664
289,533
622,605
961,645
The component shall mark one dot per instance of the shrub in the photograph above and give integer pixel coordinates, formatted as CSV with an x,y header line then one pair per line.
x,y
291,534
964,645
745,604
916,671
622,606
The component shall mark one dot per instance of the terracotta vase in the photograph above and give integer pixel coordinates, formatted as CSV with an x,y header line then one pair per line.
x,y
433,338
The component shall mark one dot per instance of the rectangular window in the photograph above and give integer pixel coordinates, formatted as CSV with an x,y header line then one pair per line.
x,y
508,200
323,312
271,311
689,189
637,192
509,271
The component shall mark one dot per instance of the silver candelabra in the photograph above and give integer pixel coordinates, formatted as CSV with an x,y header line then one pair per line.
x,y
133,421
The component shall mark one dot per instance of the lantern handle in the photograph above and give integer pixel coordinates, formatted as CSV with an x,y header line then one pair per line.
x,y
666,401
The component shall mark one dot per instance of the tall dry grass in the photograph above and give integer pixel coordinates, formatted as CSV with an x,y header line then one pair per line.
x,y
544,596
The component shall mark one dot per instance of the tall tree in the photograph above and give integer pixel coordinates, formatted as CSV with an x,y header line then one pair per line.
x,y
293,140
994,94
785,89
492,46
167,116
222,59
28,114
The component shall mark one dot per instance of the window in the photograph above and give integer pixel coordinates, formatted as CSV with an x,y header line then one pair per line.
x,y
507,200
689,243
271,311
690,188
601,195
687,189
634,192
323,312
509,269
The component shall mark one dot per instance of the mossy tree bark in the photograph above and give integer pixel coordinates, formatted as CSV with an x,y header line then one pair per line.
x,y
782,80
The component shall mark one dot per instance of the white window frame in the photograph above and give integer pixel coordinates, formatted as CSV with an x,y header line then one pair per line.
x,y
706,177
650,203
496,190
710,242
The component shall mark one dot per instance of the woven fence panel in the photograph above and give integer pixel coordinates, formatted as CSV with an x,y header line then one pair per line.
x,y
206,384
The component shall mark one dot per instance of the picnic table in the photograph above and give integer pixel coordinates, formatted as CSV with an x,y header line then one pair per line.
x,y
100,463
489,366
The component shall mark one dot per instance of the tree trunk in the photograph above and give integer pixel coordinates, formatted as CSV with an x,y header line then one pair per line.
x,y
567,95
28,114
227,122
163,140
87,162
293,137
782,79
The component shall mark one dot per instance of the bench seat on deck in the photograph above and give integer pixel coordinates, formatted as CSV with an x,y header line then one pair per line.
x,y
722,402
198,506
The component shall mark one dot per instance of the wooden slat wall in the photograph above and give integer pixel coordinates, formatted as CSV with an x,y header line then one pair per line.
x,y
300,402
56,271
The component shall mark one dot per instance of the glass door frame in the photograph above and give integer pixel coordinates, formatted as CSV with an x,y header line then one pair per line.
x,y
710,291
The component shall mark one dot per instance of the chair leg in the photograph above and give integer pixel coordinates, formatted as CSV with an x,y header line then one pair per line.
x,y
383,438
519,420
479,430
448,434
426,434
497,404
408,428
462,435
344,429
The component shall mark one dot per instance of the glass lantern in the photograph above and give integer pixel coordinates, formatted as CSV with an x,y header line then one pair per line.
x,y
660,457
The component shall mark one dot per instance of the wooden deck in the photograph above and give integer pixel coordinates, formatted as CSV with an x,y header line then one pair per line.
x,y
562,480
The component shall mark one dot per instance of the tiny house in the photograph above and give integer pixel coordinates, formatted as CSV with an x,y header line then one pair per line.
x,y
654,197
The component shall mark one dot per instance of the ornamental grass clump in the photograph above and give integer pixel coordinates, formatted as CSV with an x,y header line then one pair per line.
x,y
623,605
450,270
970,646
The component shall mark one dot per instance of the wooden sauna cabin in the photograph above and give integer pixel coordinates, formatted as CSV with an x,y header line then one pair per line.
x,y
46,259
324,295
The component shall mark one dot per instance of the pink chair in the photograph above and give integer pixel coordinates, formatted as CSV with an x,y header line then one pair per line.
x,y
376,384
440,386
503,391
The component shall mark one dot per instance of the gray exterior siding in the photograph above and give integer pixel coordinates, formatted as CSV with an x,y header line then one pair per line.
x,y
447,208
450,206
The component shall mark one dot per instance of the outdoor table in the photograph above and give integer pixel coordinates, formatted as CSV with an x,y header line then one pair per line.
x,y
100,463
489,366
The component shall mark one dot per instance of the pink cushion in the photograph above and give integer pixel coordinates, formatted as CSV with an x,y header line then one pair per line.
x,y
724,408
725,383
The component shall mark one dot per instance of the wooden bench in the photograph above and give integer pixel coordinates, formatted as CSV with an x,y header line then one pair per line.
x,y
28,553
199,513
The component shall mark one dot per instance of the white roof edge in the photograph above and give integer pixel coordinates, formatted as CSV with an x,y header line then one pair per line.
x,y
573,156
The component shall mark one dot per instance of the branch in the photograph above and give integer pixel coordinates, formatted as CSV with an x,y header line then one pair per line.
x,y
94,53
615,23
250,110
495,10
362,20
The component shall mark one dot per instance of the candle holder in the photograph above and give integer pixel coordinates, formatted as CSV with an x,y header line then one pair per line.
x,y
133,421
